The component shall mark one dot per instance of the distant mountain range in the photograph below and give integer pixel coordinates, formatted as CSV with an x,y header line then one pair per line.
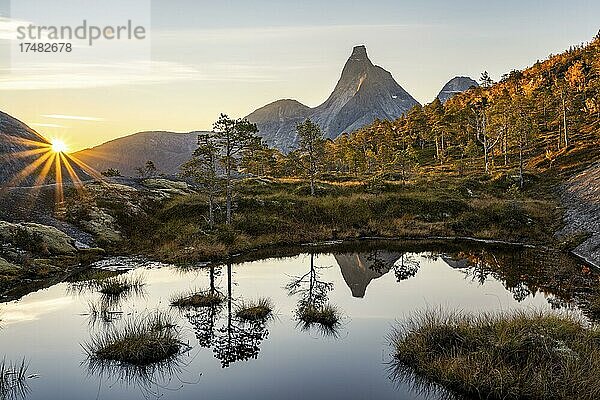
x,y
365,92
455,86
167,150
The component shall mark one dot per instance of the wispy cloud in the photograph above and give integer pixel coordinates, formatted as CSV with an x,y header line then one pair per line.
x,y
47,125
254,33
79,76
71,117
31,310
8,27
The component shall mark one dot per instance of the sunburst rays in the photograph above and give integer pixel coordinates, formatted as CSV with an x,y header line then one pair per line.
x,y
47,158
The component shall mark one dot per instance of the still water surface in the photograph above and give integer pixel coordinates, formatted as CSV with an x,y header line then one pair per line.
x,y
373,290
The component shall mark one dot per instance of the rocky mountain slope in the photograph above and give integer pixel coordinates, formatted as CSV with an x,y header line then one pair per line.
x,y
364,93
167,150
17,141
456,85
26,157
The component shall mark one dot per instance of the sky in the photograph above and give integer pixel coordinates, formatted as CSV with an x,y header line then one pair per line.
x,y
207,57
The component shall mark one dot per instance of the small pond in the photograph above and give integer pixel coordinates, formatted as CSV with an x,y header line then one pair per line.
x,y
373,285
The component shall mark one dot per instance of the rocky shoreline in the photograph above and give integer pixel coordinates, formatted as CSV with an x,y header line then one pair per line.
x,y
581,197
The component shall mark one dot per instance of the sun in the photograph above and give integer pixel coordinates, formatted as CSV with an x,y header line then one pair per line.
x,y
58,146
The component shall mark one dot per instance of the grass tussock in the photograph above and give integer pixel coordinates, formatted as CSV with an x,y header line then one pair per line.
x,y
196,299
120,285
326,317
521,355
258,310
102,311
139,341
89,280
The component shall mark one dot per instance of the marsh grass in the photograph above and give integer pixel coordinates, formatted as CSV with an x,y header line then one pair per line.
x,y
102,311
140,341
13,380
197,299
120,285
325,318
518,355
89,280
255,310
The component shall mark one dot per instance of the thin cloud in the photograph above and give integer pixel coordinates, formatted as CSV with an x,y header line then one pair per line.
x,y
72,117
48,125
254,33
33,309
8,27
80,76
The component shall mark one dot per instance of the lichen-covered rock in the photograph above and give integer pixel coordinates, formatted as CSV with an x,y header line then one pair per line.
x,y
167,186
37,238
8,269
102,225
582,200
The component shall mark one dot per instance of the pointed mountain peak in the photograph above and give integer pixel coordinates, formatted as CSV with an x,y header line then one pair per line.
x,y
359,53
363,93
359,59
356,67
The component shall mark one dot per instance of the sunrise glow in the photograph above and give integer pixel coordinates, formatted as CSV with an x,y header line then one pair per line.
x,y
58,146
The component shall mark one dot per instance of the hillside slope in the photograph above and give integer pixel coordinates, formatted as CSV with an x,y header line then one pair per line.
x,y
167,150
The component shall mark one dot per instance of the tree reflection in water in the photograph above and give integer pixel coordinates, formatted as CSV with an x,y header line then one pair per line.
x,y
524,272
236,339
313,309
405,265
204,319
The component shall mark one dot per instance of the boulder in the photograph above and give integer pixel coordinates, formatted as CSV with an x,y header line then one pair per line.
x,y
37,238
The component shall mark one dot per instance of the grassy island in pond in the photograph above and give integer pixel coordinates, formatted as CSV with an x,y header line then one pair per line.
x,y
255,310
522,355
197,299
140,341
